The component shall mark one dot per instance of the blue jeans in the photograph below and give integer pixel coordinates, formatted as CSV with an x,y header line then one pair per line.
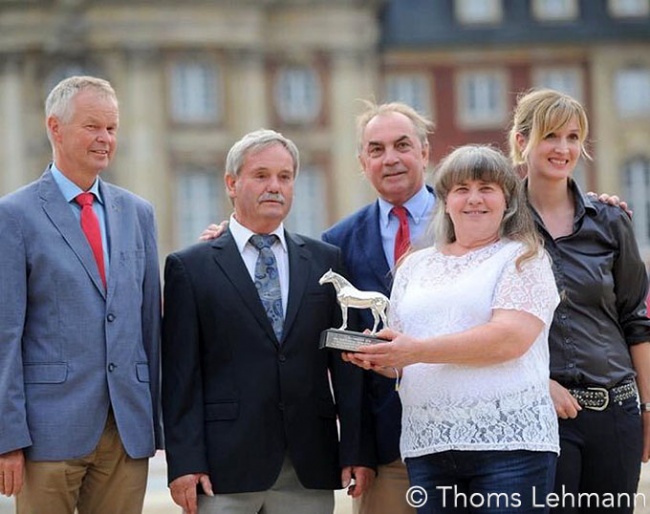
x,y
482,481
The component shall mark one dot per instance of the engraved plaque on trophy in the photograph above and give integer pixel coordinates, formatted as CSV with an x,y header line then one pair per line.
x,y
350,297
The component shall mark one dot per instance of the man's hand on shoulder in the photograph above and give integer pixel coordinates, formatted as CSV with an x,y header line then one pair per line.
x,y
611,200
213,231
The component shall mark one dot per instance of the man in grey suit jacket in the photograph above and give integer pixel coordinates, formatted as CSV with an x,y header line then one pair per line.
x,y
79,331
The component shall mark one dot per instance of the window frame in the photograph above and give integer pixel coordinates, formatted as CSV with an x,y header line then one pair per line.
x,y
187,75
482,120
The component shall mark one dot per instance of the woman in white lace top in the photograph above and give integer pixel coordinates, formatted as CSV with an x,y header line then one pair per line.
x,y
469,322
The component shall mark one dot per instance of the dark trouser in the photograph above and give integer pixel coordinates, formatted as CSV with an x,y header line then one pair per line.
x,y
600,454
457,482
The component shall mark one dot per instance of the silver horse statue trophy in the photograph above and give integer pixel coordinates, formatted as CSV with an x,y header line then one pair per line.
x,y
349,296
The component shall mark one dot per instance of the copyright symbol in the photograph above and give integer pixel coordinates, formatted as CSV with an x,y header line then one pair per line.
x,y
416,496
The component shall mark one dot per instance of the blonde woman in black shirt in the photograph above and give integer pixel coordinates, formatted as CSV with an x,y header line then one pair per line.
x,y
599,339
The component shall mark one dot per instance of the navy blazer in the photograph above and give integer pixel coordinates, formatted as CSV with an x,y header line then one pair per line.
x,y
359,239
236,401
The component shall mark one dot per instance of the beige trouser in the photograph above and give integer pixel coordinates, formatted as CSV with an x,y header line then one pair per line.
x,y
286,496
387,495
107,481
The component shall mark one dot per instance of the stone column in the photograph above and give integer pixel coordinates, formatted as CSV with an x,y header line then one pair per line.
x,y
352,77
143,158
12,126
247,101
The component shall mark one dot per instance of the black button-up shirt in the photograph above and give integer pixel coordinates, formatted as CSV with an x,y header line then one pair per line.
x,y
603,284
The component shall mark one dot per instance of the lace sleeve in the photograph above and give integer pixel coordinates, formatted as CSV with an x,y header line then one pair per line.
x,y
531,289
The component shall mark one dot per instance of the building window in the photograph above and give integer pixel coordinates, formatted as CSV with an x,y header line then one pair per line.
x,y
199,194
309,192
411,89
298,96
482,99
195,88
632,89
555,10
637,184
478,11
629,8
566,80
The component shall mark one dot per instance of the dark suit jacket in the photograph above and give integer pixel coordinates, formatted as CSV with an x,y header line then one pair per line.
x,y
235,400
359,239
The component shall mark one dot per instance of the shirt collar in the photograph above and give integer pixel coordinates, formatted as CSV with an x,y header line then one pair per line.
x,y
242,234
417,206
69,189
583,204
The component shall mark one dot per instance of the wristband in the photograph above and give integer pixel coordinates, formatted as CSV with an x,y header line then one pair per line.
x,y
645,407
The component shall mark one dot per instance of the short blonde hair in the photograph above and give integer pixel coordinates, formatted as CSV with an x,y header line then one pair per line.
x,y
540,112
59,100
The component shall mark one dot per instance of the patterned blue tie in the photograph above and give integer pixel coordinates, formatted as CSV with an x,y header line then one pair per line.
x,y
267,280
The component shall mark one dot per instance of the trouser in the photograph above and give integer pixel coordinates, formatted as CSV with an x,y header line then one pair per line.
x,y
387,494
460,482
600,460
107,481
286,496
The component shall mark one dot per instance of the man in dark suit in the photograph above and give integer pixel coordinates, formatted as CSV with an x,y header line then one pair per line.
x,y
394,153
249,414
79,322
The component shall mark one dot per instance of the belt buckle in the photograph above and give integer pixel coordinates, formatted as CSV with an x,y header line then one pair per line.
x,y
600,390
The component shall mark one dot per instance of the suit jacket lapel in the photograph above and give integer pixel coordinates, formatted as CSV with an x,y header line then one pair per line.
x,y
369,241
59,213
298,276
228,258
113,232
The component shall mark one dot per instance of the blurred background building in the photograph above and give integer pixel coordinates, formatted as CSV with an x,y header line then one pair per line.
x,y
192,76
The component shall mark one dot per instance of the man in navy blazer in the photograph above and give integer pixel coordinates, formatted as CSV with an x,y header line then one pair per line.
x,y
393,150
79,338
250,416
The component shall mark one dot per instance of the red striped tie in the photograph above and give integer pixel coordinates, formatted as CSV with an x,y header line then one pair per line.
x,y
403,237
90,227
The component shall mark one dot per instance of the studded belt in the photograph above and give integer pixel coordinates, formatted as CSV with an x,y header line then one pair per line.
x,y
599,398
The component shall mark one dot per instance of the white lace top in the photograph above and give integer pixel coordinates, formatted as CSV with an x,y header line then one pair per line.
x,y
506,406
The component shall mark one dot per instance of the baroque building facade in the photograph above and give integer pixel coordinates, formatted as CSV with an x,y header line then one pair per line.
x,y
193,76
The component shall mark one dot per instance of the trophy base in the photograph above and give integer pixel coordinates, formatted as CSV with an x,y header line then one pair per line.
x,y
346,340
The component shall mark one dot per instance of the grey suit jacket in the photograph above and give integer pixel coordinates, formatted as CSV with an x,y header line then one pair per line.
x,y
68,349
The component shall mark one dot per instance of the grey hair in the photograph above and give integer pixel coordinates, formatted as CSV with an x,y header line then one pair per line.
x,y
422,125
59,101
255,141
485,163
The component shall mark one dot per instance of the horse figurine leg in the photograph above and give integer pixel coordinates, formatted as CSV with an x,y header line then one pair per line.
x,y
375,317
344,313
382,313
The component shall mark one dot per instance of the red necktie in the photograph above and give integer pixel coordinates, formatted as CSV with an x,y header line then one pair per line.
x,y
403,237
90,226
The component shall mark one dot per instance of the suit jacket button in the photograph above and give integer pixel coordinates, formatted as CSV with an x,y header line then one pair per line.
x,y
110,317
281,405
282,357
111,367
